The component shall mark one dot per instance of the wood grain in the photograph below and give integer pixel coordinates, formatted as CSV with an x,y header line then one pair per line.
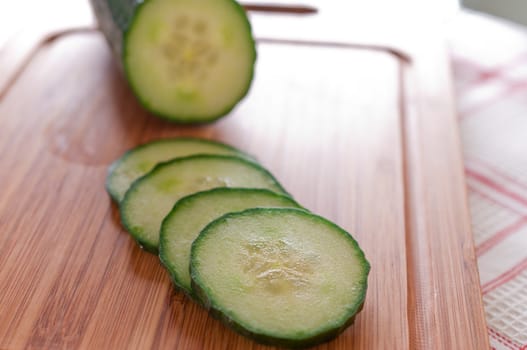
x,y
443,276
361,136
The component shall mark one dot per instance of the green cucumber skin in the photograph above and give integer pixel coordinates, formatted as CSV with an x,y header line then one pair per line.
x,y
115,19
130,152
166,262
268,340
185,119
147,247
201,294
152,248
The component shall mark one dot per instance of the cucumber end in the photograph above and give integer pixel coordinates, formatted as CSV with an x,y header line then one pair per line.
x,y
189,62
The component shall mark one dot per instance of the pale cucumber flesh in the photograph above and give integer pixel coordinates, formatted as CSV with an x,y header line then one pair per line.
x,y
189,61
151,197
140,160
282,276
192,213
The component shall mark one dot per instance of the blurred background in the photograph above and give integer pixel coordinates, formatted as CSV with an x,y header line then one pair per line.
x,y
514,10
488,51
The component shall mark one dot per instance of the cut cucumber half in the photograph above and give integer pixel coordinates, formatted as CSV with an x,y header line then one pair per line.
x,y
151,197
140,160
282,276
189,61
192,213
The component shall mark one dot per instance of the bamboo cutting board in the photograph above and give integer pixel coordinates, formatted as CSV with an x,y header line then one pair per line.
x,y
358,128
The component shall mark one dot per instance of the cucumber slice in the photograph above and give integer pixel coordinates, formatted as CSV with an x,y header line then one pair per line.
x,y
192,213
282,276
140,160
151,197
188,61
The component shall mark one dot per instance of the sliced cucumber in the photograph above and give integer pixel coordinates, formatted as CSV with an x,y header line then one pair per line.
x,y
189,61
192,213
151,197
140,160
281,276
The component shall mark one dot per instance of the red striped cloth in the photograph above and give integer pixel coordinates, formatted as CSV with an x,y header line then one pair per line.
x,y
489,61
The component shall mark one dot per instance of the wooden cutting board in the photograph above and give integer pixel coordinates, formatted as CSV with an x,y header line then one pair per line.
x,y
357,124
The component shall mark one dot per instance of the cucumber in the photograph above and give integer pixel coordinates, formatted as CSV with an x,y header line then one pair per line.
x,y
140,160
188,61
282,276
151,197
192,213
